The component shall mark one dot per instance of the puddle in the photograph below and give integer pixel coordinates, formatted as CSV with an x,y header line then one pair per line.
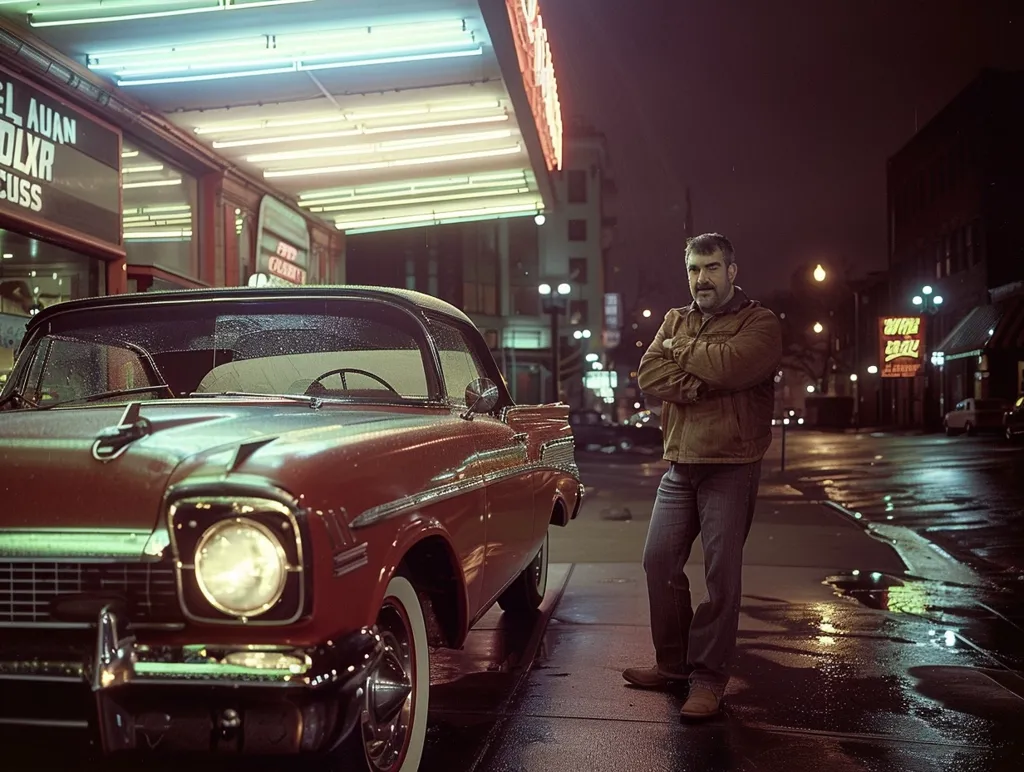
x,y
905,595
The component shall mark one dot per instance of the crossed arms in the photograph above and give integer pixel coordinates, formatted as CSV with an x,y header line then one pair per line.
x,y
692,367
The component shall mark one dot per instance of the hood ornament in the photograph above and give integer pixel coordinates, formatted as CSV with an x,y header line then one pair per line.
x,y
113,441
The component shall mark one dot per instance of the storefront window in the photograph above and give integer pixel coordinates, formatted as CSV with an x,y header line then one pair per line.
x,y
34,275
160,212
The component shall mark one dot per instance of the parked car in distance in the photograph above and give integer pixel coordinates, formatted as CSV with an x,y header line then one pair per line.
x,y
595,432
1013,420
237,520
975,415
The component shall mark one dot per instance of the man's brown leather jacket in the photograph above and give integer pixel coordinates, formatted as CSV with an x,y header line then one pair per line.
x,y
717,381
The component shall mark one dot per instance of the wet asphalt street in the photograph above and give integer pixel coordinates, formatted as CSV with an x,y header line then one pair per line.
x,y
964,493
855,652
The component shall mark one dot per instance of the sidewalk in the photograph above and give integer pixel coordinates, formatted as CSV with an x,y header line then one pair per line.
x,y
893,675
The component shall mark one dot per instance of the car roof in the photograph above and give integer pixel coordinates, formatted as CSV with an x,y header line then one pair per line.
x,y
418,301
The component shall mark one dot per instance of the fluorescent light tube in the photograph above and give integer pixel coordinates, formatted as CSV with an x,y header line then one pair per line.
x,y
437,217
393,202
357,132
401,188
277,173
343,117
380,147
213,6
298,66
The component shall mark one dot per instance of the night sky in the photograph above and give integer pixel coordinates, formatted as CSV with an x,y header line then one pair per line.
x,y
779,115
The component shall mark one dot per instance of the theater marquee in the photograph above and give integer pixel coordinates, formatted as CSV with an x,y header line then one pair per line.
x,y
901,342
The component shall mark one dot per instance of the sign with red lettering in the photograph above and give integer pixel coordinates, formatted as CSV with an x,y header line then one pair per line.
x,y
901,344
282,243
285,269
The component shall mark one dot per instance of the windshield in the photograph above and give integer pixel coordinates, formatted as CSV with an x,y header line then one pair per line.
x,y
334,348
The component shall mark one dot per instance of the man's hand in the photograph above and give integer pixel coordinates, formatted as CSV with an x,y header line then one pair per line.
x,y
667,344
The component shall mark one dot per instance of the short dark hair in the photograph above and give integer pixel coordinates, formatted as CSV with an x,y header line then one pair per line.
x,y
708,244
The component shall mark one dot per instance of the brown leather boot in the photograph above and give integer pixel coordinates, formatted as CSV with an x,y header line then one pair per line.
x,y
651,678
700,703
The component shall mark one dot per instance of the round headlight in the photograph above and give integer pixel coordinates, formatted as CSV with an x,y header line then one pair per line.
x,y
241,567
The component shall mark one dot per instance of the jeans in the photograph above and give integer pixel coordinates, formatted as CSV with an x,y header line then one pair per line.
x,y
717,501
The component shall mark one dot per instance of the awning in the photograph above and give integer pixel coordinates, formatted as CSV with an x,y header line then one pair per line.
x,y
986,328
370,115
1009,333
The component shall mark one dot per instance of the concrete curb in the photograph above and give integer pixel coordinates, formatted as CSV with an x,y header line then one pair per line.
x,y
923,558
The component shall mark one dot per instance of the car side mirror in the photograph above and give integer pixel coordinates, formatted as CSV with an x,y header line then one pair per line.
x,y
481,397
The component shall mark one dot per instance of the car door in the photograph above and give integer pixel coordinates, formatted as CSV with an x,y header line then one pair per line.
x,y
501,460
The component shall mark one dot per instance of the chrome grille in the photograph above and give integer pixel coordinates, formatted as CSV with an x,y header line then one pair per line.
x,y
27,590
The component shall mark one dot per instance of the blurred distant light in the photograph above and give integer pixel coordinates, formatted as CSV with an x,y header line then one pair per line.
x,y
564,289
578,334
853,376
810,389
818,327
636,405
918,300
586,333
544,289
926,289
819,273
647,313
873,369
540,219
592,357
937,300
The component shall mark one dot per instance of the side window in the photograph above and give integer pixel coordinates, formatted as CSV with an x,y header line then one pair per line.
x,y
460,364
71,369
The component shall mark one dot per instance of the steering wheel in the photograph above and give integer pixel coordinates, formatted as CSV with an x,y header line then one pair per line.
x,y
342,370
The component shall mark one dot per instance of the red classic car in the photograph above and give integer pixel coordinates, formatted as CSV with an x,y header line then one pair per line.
x,y
240,519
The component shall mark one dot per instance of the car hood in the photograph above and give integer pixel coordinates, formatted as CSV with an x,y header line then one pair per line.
x,y
53,478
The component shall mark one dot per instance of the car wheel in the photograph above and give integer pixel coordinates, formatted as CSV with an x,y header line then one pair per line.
x,y
527,591
949,431
392,725
969,429
1008,433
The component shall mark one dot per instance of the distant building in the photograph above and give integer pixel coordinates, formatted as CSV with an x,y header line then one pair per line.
x,y
955,194
493,270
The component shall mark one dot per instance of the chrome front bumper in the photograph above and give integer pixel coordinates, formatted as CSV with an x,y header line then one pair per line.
x,y
266,700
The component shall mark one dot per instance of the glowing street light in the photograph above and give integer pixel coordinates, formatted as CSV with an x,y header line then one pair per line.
x,y
873,370
818,328
810,389
647,313
540,219
819,273
853,377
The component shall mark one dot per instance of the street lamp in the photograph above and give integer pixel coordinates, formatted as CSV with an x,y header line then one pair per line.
x,y
931,303
873,370
647,313
819,273
555,303
818,328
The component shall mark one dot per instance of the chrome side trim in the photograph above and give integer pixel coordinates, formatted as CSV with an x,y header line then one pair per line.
x,y
351,560
416,501
443,492
82,545
54,723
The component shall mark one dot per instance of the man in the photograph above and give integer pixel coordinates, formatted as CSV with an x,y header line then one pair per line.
x,y
712,364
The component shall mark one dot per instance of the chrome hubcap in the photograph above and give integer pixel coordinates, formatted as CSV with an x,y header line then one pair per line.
x,y
388,710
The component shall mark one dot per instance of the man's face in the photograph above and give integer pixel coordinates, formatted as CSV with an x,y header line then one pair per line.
x,y
711,281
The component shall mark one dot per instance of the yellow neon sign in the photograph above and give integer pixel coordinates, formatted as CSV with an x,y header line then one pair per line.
x,y
902,325
900,349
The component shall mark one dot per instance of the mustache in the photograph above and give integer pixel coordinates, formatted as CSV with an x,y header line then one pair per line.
x,y
705,287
